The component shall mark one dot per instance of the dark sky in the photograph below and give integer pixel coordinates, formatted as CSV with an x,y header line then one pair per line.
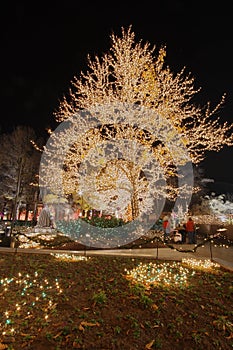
x,y
43,46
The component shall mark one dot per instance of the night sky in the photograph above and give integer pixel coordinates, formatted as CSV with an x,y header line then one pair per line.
x,y
44,46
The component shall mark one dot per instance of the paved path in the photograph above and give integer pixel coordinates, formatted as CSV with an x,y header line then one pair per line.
x,y
220,255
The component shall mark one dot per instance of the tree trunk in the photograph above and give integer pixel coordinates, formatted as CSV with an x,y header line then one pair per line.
x,y
134,205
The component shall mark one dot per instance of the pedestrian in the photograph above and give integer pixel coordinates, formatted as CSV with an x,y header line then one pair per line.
x,y
177,237
191,231
182,230
166,229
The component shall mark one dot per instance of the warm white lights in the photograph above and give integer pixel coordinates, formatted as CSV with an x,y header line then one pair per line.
x,y
168,274
129,75
34,296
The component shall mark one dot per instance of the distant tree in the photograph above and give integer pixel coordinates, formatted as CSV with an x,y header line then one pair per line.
x,y
213,204
130,74
19,166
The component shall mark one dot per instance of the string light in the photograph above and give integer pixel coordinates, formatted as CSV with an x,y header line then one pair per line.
x,y
70,257
35,296
131,74
167,274
163,274
201,264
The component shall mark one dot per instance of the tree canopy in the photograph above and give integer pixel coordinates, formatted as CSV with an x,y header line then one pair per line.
x,y
129,99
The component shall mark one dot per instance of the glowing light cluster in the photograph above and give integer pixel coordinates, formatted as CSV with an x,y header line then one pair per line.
x,y
27,243
129,75
70,257
32,239
218,209
201,264
33,294
220,245
163,274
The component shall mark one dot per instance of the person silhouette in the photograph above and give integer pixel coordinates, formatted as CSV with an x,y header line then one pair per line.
x,y
190,228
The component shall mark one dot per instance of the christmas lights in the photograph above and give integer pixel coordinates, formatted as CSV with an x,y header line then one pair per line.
x,y
201,264
34,300
130,73
126,98
168,274
70,257
163,274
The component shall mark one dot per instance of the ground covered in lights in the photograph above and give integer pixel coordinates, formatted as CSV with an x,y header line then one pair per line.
x,y
77,302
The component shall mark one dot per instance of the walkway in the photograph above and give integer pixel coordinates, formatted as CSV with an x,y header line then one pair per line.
x,y
221,255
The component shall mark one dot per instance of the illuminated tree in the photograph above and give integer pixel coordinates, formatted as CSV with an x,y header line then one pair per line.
x,y
217,205
134,97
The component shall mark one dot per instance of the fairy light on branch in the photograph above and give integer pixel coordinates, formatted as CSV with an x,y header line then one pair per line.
x,y
131,73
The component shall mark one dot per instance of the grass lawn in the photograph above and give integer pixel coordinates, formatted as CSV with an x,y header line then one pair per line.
x,y
67,302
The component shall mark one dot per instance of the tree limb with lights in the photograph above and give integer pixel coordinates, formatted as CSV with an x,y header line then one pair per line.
x,y
131,75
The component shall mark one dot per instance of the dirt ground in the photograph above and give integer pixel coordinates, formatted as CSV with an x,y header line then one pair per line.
x,y
113,303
